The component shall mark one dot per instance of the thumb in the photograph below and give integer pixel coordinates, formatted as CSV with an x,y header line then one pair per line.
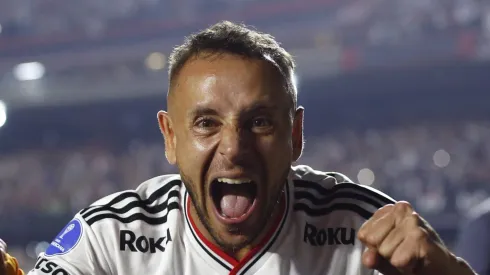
x,y
386,268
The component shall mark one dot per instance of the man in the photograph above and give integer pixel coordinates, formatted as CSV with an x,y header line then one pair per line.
x,y
238,206
474,240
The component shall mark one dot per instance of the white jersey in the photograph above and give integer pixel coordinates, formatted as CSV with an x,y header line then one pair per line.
x,y
149,231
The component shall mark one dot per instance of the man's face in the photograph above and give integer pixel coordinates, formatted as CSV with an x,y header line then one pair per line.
x,y
230,131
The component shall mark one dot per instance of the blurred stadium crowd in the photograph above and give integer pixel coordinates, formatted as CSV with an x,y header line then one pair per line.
x,y
442,169
379,19
419,130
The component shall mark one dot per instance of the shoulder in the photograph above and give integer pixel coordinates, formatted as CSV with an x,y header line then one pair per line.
x,y
96,239
318,194
150,203
307,174
328,210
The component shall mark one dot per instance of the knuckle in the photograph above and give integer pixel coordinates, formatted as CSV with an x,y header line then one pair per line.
x,y
372,239
423,251
364,231
385,251
382,211
361,234
387,207
403,206
413,219
415,215
419,234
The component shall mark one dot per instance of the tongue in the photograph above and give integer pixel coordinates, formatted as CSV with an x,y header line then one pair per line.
x,y
235,201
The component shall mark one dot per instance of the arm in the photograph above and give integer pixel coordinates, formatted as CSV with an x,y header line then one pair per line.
x,y
399,241
474,244
75,251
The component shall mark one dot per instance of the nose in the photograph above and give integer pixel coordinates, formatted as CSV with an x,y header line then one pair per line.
x,y
235,144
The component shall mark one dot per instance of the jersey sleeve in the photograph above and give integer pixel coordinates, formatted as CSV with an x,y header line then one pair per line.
x,y
76,250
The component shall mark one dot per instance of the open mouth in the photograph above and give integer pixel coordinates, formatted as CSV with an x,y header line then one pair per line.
x,y
234,199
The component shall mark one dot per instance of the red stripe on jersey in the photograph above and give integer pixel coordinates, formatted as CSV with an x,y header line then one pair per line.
x,y
262,243
210,245
237,265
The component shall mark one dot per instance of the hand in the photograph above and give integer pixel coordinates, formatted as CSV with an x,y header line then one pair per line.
x,y
399,241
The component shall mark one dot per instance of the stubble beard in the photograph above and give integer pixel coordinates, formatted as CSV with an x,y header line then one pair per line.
x,y
204,218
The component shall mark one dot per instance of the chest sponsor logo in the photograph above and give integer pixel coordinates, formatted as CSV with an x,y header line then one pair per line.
x,y
46,266
66,240
129,241
328,236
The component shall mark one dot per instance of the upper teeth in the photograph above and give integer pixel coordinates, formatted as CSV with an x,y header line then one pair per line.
x,y
234,181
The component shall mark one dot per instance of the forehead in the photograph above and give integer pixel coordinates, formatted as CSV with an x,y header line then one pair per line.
x,y
228,80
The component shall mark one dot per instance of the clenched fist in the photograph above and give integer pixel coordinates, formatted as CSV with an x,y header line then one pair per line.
x,y
399,241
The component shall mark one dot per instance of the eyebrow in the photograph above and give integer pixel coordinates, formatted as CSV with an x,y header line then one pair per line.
x,y
202,111
207,111
259,106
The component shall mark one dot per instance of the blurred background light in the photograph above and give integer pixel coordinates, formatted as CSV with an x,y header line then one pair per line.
x,y
155,61
29,71
365,176
3,113
441,158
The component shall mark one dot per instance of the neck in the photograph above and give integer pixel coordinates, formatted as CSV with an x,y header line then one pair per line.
x,y
241,253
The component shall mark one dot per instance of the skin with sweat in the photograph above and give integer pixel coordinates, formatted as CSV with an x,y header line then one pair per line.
x,y
232,117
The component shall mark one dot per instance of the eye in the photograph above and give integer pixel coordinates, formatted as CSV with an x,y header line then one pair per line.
x,y
261,125
261,122
206,123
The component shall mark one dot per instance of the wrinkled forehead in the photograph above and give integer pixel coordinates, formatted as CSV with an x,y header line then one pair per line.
x,y
227,82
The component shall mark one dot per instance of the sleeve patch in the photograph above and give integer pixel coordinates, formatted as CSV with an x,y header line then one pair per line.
x,y
66,240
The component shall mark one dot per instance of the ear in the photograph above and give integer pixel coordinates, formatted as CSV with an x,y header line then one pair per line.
x,y
298,133
167,130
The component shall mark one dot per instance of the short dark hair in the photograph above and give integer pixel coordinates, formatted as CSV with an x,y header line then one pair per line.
x,y
239,39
